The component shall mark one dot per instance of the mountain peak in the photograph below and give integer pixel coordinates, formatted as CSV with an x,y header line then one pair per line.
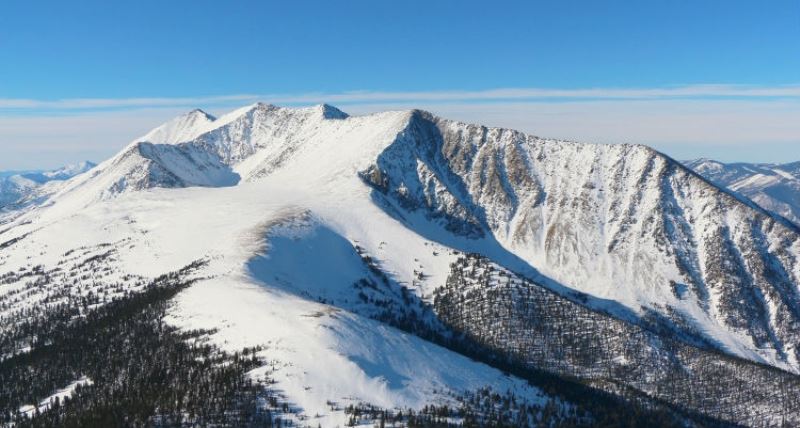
x,y
200,113
327,111
180,129
263,106
330,112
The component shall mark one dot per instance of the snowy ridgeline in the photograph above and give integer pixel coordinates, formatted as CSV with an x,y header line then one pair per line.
x,y
334,245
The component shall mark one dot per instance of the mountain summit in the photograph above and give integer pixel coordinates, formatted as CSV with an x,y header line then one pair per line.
x,y
182,128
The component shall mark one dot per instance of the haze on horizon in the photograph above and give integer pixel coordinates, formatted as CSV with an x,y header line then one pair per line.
x,y
717,79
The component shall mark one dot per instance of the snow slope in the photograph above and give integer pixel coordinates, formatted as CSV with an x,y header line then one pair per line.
x,y
283,203
181,128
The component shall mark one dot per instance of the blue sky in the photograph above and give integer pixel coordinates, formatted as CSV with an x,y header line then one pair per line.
x,y
574,69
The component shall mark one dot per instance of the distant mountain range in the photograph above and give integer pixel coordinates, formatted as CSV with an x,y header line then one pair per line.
x,y
16,186
775,187
361,268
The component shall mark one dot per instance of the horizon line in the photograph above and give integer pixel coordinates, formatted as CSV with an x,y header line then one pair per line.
x,y
673,92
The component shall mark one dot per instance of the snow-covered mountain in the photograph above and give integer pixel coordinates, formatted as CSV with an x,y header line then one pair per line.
x,y
620,223
332,241
16,186
775,187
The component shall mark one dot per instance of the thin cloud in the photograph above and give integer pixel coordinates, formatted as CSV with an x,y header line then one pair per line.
x,y
110,103
749,128
709,91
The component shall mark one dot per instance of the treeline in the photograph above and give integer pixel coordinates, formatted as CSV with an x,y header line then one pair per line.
x,y
481,408
597,371
36,298
527,326
143,371
392,303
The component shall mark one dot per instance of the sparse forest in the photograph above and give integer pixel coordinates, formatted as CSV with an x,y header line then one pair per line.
x,y
526,325
143,372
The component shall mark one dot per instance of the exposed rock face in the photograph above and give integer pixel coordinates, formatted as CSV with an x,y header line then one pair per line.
x,y
616,221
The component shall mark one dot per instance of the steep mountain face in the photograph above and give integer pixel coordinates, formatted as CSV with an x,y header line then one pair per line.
x,y
258,139
772,186
534,327
160,158
335,245
19,187
147,165
618,222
